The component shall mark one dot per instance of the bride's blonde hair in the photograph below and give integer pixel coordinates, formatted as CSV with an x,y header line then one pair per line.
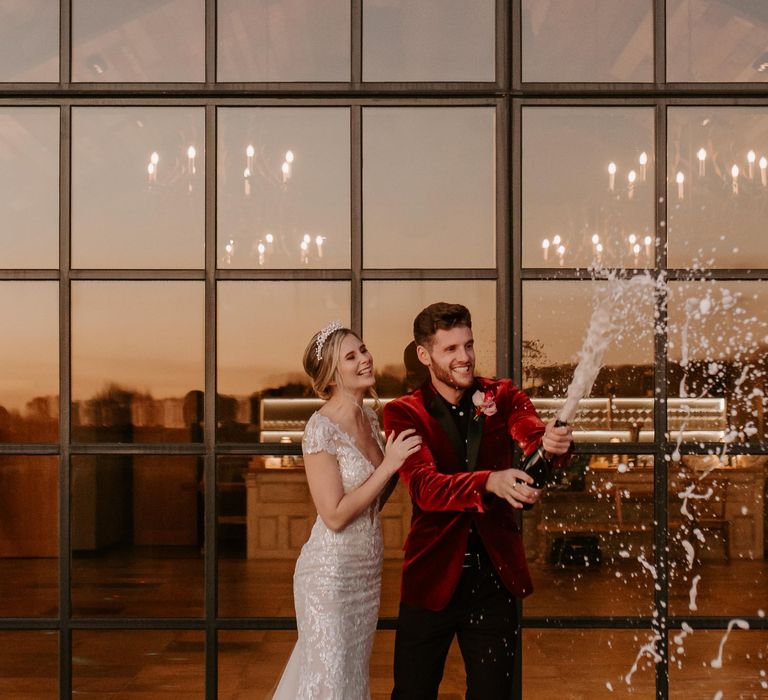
x,y
321,360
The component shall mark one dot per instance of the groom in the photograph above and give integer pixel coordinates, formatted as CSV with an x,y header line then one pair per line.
x,y
464,561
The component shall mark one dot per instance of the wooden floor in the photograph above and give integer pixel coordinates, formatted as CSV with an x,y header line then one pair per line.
x,y
558,664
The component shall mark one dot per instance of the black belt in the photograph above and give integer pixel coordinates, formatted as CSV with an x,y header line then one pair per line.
x,y
473,560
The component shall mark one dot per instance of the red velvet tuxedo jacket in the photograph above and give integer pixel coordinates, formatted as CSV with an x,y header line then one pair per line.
x,y
447,498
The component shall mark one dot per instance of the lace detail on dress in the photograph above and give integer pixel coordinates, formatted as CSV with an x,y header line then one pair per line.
x,y
336,585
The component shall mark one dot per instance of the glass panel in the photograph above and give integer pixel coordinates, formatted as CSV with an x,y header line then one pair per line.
x,y
137,376
29,665
29,355
428,40
715,41
165,664
137,533
138,41
388,312
298,41
29,537
29,41
283,188
429,187
251,663
263,328
599,663
588,186
556,320
700,668
717,185
138,196
592,535
29,186
265,516
716,374
717,526
602,41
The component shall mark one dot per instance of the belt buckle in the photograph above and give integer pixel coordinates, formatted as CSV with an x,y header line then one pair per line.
x,y
471,560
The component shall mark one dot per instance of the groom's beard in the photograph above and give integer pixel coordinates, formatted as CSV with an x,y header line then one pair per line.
x,y
457,380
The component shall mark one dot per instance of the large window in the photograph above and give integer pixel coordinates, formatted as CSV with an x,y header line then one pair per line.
x,y
189,190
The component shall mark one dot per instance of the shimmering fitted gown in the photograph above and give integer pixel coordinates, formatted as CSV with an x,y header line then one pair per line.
x,y
336,585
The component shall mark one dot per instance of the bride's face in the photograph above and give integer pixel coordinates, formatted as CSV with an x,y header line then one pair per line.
x,y
355,369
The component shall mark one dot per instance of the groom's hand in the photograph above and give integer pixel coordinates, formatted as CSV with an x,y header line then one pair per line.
x,y
557,439
512,486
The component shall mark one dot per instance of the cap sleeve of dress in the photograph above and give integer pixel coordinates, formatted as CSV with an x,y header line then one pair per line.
x,y
319,436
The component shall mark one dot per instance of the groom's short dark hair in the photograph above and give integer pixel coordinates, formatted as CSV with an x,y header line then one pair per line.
x,y
439,316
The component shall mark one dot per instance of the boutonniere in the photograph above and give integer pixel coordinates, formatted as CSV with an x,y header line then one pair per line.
x,y
484,403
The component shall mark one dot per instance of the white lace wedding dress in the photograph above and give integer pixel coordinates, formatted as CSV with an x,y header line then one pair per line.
x,y
336,585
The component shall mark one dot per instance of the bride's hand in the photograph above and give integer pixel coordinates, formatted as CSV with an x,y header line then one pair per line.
x,y
399,448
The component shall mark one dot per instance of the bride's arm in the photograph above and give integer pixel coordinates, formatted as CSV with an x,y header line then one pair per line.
x,y
338,509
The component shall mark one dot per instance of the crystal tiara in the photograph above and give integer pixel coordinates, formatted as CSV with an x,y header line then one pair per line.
x,y
323,335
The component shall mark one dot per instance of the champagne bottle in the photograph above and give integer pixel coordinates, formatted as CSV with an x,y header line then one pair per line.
x,y
538,465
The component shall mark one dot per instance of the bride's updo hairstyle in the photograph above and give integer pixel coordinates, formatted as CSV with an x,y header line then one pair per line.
x,y
321,358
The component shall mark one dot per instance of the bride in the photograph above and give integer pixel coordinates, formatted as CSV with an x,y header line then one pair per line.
x,y
337,581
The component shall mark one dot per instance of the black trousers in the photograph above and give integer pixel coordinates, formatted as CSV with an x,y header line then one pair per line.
x,y
483,616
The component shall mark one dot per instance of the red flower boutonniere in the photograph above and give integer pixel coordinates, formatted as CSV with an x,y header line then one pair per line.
x,y
484,404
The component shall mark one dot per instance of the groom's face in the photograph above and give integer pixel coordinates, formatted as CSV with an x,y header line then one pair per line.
x,y
451,357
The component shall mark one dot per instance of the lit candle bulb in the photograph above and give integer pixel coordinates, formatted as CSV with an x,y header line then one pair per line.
x,y
632,240
647,242
247,182
151,173
304,251
702,156
154,160
556,240
270,241
763,165
249,153
319,243
545,248
191,154
561,253
636,251
262,249
680,180
286,169
611,175
307,238
631,177
643,159
735,179
289,156
750,162
595,239
229,248
599,251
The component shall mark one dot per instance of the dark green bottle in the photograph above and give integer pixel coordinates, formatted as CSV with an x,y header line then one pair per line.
x,y
538,465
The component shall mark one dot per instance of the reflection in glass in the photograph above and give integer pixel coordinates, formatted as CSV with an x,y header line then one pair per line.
x,y
590,663
429,187
29,41
428,40
29,186
716,518
694,671
29,660
29,537
137,531
265,516
718,337
263,328
716,41
283,188
296,41
29,356
388,312
602,41
588,178
138,189
137,41
556,317
591,536
717,186
137,361
151,663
